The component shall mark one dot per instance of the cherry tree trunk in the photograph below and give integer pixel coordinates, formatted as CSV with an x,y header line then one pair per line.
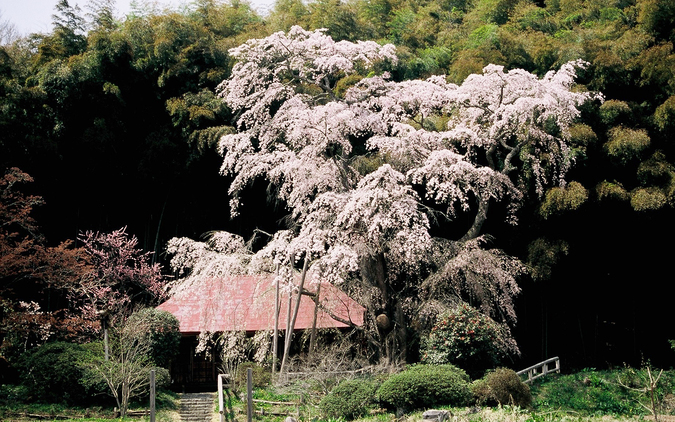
x,y
391,324
481,216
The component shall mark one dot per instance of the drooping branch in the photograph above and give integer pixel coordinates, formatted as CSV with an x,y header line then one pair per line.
x,y
348,322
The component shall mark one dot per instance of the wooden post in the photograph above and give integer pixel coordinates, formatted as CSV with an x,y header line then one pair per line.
x,y
249,394
152,395
275,339
291,322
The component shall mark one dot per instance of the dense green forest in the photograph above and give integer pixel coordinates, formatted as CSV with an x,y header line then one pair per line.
x,y
116,121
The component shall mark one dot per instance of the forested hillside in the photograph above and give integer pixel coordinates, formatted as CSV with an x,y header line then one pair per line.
x,y
118,121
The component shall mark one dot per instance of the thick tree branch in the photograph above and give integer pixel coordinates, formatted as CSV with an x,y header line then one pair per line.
x,y
479,220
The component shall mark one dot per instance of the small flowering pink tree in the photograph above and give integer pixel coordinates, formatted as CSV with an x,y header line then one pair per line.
x,y
122,276
367,166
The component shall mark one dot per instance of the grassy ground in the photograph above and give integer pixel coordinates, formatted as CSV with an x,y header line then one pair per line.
x,y
459,415
33,413
12,409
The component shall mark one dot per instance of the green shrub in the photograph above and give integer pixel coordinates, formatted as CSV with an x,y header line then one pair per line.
x,y
466,338
349,399
163,335
162,386
423,386
504,387
162,380
54,372
12,394
95,385
261,377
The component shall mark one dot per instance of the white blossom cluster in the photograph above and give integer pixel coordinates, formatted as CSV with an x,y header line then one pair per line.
x,y
284,134
223,254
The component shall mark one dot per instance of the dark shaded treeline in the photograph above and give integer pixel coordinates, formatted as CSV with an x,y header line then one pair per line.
x,y
118,126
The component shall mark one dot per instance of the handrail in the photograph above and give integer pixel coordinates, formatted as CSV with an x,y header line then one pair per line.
x,y
541,369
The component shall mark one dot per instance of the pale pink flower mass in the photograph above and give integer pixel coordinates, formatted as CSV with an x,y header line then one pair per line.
x,y
359,169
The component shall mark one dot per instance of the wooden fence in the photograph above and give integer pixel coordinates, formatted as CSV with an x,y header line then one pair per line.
x,y
541,369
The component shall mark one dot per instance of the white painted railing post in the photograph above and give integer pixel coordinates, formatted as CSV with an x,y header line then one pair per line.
x,y
541,369
221,410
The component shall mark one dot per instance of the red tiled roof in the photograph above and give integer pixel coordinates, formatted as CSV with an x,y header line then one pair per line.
x,y
247,303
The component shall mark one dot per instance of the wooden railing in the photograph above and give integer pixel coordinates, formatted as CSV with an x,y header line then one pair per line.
x,y
541,369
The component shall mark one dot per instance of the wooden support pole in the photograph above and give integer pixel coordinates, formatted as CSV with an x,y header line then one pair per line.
x,y
249,394
275,336
291,322
152,395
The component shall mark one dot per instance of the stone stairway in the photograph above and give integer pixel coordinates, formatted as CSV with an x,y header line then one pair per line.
x,y
196,407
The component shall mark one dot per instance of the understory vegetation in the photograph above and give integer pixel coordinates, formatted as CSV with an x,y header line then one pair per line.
x,y
588,395
16,405
499,396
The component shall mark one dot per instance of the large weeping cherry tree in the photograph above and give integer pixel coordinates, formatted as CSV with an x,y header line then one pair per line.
x,y
367,166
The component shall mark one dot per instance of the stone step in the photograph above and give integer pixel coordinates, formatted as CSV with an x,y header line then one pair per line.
x,y
196,407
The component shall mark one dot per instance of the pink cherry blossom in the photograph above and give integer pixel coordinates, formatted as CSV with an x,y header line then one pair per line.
x,y
357,170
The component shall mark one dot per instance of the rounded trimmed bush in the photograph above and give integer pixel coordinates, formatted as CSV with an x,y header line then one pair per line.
x,y
349,399
502,386
423,386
